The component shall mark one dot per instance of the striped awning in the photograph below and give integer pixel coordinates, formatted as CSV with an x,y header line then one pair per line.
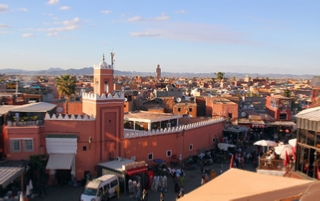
x,y
9,174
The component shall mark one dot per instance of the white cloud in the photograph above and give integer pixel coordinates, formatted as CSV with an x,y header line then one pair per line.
x,y
4,26
73,22
3,8
106,11
135,18
181,12
64,8
163,16
53,2
143,34
28,35
52,34
67,25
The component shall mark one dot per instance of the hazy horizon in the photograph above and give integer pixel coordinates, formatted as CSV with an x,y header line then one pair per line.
x,y
262,37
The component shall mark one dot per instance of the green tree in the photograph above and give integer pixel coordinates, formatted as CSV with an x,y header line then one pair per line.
x,y
219,76
37,167
66,86
286,93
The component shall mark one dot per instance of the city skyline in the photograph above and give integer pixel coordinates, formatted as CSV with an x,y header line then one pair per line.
x,y
196,37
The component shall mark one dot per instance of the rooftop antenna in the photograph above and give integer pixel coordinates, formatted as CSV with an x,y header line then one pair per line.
x,y
112,58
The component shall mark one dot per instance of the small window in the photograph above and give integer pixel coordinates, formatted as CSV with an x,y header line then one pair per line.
x,y
114,183
169,153
213,140
150,156
179,109
190,109
106,187
190,147
84,148
15,145
28,145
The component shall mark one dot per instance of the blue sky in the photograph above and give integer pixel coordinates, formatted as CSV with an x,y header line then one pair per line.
x,y
181,35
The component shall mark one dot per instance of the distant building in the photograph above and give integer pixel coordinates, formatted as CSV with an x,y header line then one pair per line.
x,y
315,94
279,107
158,73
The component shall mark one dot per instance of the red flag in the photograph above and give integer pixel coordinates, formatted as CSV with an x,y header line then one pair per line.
x,y
231,161
286,160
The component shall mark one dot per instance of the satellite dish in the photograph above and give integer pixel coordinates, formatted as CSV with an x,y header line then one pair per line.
x,y
125,99
209,95
59,109
178,100
243,114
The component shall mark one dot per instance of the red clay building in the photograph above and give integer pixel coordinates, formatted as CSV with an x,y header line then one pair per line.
x,y
76,144
279,107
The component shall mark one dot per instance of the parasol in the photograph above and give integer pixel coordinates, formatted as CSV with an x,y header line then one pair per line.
x,y
266,143
293,142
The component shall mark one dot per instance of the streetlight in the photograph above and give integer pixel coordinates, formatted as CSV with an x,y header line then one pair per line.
x,y
90,141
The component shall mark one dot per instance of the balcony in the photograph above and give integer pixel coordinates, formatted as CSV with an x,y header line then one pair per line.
x,y
25,123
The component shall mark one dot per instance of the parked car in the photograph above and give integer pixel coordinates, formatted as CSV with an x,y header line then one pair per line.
x,y
97,188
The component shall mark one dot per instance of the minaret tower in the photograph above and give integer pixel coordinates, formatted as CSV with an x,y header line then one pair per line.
x,y
158,72
103,77
107,107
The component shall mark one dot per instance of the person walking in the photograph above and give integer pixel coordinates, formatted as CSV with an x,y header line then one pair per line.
x,y
161,196
144,196
181,177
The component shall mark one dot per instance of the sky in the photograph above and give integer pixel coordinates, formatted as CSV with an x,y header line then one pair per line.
x,y
195,36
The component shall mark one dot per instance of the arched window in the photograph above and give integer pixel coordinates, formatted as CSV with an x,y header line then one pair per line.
x,y
106,86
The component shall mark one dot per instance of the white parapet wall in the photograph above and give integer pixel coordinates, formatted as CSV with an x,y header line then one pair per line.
x,y
70,117
129,133
92,96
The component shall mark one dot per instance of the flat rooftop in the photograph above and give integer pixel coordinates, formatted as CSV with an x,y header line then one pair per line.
x,y
150,116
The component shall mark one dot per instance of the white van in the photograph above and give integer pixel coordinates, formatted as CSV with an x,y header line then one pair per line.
x,y
95,189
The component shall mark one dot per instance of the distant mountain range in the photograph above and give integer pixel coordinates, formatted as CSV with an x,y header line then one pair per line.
x,y
89,71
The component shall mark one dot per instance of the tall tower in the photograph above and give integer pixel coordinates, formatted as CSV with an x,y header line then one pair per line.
x,y
158,72
103,77
108,111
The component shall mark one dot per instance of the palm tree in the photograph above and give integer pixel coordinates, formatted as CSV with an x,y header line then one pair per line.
x,y
66,85
220,76
287,93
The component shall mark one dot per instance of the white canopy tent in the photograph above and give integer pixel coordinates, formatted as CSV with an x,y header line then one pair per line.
x,y
266,143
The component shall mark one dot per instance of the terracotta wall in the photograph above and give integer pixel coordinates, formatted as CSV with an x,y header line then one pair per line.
x,y
86,158
178,143
185,108
225,109
15,132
